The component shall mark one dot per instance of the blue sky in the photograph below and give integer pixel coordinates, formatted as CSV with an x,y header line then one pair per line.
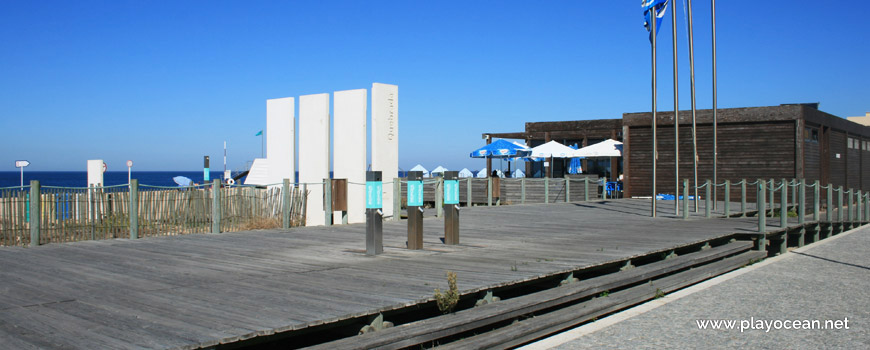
x,y
166,82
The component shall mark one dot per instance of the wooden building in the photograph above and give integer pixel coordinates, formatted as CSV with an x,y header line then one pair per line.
x,y
785,141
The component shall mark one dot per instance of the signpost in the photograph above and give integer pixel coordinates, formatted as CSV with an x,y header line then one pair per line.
x,y
415,210
451,207
374,213
21,164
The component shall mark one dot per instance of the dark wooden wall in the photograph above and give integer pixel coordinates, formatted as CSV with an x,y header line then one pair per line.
x,y
747,150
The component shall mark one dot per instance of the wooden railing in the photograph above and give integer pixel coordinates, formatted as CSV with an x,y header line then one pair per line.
x,y
34,215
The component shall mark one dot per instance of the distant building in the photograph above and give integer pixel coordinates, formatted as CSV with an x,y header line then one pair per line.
x,y
865,120
785,141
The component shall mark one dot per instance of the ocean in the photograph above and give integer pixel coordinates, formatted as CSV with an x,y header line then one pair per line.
x,y
80,178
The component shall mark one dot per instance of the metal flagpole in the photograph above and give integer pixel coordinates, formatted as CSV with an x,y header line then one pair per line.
x,y
694,120
715,134
676,114
653,20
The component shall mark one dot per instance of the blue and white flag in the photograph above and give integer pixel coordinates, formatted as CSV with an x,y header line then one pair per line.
x,y
659,6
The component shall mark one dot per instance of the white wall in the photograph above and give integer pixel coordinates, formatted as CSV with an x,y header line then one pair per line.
x,y
314,145
349,151
280,140
385,138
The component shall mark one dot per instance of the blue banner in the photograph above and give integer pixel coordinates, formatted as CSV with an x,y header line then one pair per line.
x,y
415,193
374,195
451,191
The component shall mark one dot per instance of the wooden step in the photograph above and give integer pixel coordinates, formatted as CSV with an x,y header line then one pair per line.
x,y
423,331
543,325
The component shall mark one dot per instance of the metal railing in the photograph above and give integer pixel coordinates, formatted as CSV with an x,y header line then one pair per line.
x,y
34,215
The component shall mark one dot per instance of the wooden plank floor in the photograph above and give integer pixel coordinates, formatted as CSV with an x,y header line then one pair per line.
x,y
201,290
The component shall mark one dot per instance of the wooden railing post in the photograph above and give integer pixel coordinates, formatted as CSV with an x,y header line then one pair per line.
x,y
397,199
586,189
829,202
285,209
488,191
762,215
216,206
547,190
849,213
772,200
523,190
840,217
802,211
327,202
859,214
727,198
685,199
743,198
707,204
567,189
866,206
439,196
35,214
134,209
783,204
468,193
816,200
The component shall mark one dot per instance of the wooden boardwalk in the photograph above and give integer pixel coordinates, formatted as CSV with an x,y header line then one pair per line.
x,y
201,290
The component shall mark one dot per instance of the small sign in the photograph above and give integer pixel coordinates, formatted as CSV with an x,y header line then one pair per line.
x,y
129,163
205,174
21,163
374,195
415,193
451,191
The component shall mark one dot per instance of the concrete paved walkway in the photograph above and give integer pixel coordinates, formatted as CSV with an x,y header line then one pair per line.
x,y
827,281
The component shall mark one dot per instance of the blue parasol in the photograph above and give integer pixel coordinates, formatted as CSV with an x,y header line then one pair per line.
x,y
501,149
575,166
182,181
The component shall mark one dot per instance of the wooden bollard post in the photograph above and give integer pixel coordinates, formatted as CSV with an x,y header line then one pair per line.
x,y
134,209
840,216
685,199
743,198
451,208
35,214
216,206
783,205
415,209
708,207
762,215
374,213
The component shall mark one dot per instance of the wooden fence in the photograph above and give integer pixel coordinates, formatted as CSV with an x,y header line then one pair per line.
x,y
513,190
65,214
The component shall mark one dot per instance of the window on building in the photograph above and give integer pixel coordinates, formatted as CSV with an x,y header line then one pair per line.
x,y
849,142
811,135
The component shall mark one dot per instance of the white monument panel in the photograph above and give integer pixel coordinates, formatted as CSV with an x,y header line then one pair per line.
x,y
314,152
95,172
385,138
280,139
349,153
